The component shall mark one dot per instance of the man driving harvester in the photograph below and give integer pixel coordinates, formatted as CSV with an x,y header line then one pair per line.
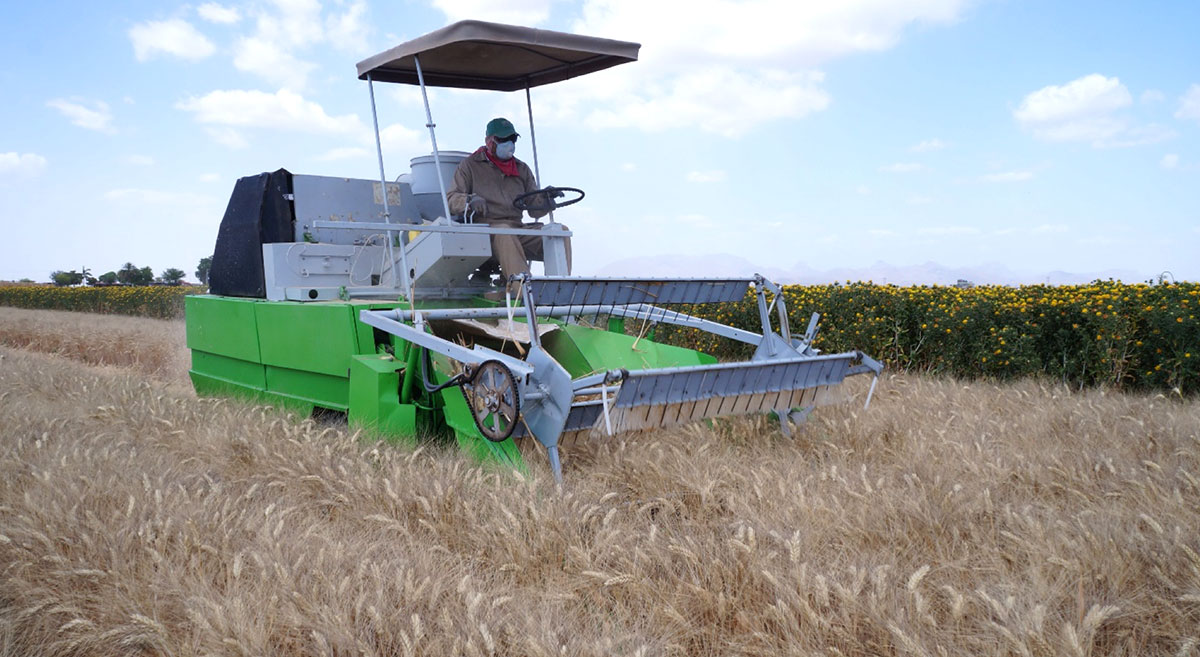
x,y
485,185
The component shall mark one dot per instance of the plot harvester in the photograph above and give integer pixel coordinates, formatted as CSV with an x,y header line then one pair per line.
x,y
364,296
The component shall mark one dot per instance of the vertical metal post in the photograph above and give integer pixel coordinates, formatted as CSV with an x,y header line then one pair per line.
x,y
383,190
555,464
785,328
554,247
537,171
535,342
437,160
760,290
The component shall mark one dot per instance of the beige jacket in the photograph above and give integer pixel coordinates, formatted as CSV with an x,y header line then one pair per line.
x,y
477,175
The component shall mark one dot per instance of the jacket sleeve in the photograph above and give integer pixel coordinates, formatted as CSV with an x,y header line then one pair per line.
x,y
461,189
530,186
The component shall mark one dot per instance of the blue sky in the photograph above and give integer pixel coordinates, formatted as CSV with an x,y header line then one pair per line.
x,y
1031,135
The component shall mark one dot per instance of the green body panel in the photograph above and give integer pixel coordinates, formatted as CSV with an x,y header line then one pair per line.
x,y
311,388
313,337
584,351
375,400
222,372
222,325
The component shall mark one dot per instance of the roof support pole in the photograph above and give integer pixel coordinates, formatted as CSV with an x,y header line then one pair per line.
x,y
437,160
383,192
537,171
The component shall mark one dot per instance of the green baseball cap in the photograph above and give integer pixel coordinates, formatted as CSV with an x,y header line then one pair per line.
x,y
501,128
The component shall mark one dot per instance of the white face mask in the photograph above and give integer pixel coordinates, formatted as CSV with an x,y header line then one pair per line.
x,y
505,149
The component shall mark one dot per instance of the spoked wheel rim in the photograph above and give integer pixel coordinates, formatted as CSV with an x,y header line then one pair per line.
x,y
494,401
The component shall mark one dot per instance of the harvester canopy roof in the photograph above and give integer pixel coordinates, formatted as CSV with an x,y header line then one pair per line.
x,y
494,56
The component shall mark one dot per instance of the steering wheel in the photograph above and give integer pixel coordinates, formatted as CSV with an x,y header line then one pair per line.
x,y
546,200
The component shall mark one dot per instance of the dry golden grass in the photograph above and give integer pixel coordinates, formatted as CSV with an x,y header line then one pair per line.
x,y
149,346
950,519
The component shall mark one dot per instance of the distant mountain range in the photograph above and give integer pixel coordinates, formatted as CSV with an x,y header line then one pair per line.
x,y
721,265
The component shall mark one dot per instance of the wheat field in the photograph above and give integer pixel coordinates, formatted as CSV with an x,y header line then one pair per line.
x,y
952,518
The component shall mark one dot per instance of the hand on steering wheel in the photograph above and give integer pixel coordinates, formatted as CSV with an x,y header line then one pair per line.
x,y
547,199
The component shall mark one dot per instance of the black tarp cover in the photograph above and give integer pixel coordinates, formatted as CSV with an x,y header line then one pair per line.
x,y
259,212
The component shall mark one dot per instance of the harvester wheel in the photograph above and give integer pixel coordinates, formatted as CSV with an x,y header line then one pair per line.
x,y
492,395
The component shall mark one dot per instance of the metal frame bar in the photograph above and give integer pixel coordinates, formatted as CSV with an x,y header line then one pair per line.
x,y
435,228
462,354
437,161
637,311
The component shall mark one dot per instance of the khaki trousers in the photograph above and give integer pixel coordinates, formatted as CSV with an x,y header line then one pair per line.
x,y
514,252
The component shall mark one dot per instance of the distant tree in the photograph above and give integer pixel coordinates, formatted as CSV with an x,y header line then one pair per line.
x,y
129,274
108,278
26,280
172,276
65,278
202,270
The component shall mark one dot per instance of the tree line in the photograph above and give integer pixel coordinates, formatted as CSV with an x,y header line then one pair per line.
x,y
129,274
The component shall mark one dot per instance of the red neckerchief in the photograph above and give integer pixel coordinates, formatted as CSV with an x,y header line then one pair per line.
x,y
507,167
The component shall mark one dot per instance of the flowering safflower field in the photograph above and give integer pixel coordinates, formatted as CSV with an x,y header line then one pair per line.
x,y
158,301
1105,333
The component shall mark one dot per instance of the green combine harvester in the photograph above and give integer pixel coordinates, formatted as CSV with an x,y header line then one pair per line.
x,y
363,297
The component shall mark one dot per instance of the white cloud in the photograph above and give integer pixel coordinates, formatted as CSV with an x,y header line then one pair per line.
x,y
209,177
282,110
776,32
227,137
1152,96
862,190
1169,161
724,66
349,31
215,13
89,114
1007,176
174,37
1189,104
272,62
1080,110
519,12
714,176
22,164
747,98
902,167
401,140
929,145
1141,135
628,166
285,29
139,160
881,232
